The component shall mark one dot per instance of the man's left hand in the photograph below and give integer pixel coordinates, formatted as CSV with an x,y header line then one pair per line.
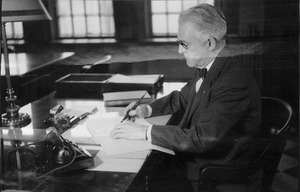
x,y
129,130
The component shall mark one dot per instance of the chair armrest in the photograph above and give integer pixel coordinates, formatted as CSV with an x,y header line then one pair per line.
x,y
216,173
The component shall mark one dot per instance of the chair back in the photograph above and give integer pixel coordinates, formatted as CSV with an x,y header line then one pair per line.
x,y
276,119
270,144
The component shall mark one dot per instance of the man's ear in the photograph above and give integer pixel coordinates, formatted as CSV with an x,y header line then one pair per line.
x,y
212,43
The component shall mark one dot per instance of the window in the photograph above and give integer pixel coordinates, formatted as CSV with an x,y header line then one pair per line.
x,y
85,19
165,15
14,30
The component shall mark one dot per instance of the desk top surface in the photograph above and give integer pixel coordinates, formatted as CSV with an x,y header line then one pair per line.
x,y
73,181
22,63
79,180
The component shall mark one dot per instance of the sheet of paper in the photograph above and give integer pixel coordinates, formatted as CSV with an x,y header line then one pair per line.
x,y
120,146
133,155
79,134
130,162
117,164
77,110
100,129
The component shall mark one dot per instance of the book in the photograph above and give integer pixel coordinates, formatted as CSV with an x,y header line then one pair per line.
x,y
118,82
138,79
124,98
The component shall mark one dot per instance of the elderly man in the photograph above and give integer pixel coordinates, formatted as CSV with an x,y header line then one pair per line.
x,y
220,103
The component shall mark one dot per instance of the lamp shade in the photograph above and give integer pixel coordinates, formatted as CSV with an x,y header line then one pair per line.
x,y
23,10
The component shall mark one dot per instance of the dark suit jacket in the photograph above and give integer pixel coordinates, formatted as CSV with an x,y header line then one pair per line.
x,y
228,105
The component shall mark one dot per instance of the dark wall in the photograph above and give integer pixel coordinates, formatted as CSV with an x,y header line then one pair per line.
x,y
129,20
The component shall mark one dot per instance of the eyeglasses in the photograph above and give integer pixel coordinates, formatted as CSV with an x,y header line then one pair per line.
x,y
182,44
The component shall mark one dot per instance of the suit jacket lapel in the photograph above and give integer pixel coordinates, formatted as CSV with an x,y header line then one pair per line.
x,y
206,84
191,97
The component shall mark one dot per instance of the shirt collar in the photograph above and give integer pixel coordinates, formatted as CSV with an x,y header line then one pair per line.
x,y
209,65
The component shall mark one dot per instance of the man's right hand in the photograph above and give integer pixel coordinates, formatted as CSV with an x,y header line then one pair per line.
x,y
141,111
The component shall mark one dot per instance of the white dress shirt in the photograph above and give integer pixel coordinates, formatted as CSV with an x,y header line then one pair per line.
x,y
199,82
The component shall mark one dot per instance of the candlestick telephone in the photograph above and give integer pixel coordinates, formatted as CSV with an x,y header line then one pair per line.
x,y
53,153
62,155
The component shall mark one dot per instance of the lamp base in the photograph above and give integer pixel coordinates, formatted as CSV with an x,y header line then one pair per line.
x,y
21,120
12,117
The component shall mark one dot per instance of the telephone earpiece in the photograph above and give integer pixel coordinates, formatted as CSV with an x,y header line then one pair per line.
x,y
58,154
62,154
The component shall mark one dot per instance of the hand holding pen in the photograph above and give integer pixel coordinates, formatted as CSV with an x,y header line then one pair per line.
x,y
134,109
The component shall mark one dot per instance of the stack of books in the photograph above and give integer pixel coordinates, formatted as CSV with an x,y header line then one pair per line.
x,y
124,98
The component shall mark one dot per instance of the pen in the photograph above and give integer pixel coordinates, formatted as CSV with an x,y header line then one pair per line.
x,y
79,118
132,108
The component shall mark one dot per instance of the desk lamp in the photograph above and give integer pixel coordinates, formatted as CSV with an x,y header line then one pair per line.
x,y
16,11
13,11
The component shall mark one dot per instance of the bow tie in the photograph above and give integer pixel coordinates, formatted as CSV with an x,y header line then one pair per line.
x,y
202,72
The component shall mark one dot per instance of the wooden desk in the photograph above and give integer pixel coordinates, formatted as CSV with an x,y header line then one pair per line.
x,y
23,63
89,181
32,75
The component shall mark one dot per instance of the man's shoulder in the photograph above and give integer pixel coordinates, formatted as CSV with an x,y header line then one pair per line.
x,y
231,64
233,71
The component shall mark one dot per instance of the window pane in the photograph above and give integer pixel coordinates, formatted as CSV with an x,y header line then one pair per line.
x,y
212,2
78,7
19,34
108,26
173,23
92,7
14,30
79,26
9,30
63,7
165,15
65,27
106,7
88,18
174,6
188,4
158,6
160,24
93,26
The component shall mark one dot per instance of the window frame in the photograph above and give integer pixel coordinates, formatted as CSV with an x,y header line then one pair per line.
x,y
150,33
53,10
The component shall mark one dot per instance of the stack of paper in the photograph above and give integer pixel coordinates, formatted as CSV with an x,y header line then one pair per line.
x,y
100,129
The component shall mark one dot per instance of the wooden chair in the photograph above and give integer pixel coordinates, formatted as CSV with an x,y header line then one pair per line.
x,y
276,119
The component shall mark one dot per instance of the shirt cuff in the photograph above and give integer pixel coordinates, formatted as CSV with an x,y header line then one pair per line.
x,y
149,110
149,133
